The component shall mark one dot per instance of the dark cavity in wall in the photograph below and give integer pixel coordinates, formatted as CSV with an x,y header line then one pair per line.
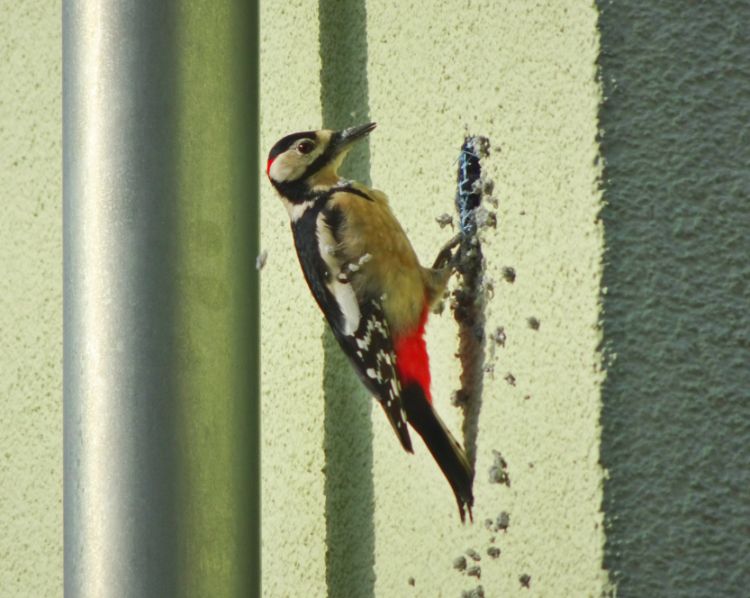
x,y
469,298
676,413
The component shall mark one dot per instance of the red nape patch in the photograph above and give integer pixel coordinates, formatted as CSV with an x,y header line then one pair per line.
x,y
412,361
268,166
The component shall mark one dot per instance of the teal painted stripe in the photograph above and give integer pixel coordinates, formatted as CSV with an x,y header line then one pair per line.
x,y
350,528
676,416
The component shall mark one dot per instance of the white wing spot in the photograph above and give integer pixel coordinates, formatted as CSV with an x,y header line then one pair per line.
x,y
371,373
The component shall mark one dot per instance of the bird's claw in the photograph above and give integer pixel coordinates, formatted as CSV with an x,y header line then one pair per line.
x,y
446,257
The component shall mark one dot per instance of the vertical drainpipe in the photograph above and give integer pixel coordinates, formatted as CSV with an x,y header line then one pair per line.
x,y
138,437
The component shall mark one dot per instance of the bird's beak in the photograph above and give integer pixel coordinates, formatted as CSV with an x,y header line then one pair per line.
x,y
352,134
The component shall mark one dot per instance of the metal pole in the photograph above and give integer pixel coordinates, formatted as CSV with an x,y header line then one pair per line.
x,y
160,361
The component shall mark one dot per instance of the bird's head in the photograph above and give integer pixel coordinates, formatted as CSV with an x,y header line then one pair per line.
x,y
302,162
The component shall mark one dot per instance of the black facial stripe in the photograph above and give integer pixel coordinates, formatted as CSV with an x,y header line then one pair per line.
x,y
323,158
295,191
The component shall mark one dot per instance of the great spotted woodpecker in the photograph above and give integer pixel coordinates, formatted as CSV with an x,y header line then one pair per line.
x,y
365,276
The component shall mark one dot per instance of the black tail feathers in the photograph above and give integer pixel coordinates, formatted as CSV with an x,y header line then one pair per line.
x,y
444,448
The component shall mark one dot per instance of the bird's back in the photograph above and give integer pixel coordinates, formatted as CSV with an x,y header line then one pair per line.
x,y
389,260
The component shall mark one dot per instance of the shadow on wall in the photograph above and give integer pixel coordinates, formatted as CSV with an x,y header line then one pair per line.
x,y
676,412
350,534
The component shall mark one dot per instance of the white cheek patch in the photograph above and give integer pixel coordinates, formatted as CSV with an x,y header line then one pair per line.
x,y
291,165
284,168
342,292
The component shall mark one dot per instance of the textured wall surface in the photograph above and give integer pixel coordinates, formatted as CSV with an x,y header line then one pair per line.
x,y
526,77
345,511
676,419
30,300
292,363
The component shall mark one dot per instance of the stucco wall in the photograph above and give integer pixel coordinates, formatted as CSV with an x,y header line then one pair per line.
x,y
293,533
525,77
676,415
30,300
660,281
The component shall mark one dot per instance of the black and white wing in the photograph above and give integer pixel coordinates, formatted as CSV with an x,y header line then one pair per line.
x,y
358,324
370,350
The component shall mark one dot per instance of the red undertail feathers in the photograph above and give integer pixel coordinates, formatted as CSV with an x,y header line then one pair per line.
x,y
413,367
412,360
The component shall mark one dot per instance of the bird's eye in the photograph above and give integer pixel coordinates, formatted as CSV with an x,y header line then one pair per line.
x,y
305,147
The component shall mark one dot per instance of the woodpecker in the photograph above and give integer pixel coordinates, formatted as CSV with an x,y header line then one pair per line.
x,y
369,284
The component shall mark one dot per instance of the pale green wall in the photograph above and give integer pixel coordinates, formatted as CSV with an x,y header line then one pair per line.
x,y
345,511
292,498
523,77
30,300
526,77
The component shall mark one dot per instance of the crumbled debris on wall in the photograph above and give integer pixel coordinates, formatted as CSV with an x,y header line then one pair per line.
x,y
499,470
